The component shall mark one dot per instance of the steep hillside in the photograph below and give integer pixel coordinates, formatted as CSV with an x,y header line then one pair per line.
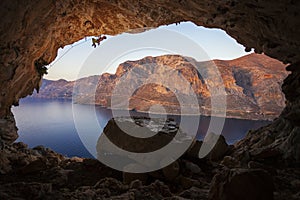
x,y
252,84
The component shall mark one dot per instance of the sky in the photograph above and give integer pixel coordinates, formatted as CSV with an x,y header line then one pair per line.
x,y
81,59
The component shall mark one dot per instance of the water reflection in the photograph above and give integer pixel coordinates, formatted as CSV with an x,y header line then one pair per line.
x,y
50,123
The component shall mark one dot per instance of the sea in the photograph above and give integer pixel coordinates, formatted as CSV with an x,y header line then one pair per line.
x,y
73,129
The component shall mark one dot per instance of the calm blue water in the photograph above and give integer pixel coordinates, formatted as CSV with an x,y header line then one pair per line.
x,y
51,123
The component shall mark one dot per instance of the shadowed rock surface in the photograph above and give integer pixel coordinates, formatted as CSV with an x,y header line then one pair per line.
x,y
242,184
32,31
40,173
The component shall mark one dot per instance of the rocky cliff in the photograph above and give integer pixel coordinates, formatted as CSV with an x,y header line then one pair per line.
x,y
252,84
32,31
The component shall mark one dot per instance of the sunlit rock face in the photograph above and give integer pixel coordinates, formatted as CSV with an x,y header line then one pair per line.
x,y
252,85
279,141
32,31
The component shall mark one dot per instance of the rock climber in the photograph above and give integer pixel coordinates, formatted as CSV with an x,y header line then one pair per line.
x,y
97,40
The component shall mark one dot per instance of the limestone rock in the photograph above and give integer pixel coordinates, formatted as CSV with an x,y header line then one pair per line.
x,y
187,183
194,193
283,148
25,50
148,138
291,147
8,129
115,186
5,166
25,190
20,145
195,169
219,150
59,176
136,184
65,179
130,177
244,78
76,159
34,167
194,149
230,162
171,171
236,184
161,188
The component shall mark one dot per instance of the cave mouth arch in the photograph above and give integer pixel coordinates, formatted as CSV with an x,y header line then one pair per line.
x,y
216,43
34,30
178,28
256,25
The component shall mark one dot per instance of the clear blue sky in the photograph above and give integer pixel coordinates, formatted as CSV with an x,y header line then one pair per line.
x,y
214,42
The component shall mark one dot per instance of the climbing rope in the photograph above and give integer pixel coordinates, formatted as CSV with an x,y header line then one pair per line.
x,y
72,46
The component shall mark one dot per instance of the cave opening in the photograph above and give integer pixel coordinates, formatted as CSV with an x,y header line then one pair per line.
x,y
58,86
31,33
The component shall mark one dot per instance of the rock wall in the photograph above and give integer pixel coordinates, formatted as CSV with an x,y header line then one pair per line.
x,y
280,140
252,83
32,31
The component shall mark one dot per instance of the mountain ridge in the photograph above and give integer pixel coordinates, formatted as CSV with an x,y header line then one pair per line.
x,y
252,84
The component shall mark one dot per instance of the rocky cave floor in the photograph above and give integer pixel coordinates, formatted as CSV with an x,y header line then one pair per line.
x,y
40,173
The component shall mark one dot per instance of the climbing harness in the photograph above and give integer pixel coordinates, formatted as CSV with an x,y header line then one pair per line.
x,y
98,40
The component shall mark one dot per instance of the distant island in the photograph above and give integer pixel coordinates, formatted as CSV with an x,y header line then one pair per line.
x,y
252,84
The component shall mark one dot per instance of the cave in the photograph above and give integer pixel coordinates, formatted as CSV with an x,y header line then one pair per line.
x,y
33,31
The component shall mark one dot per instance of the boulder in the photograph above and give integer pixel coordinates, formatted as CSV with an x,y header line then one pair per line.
x,y
34,167
22,190
5,165
193,168
230,162
214,147
171,171
136,184
186,182
115,186
245,184
194,149
194,193
129,177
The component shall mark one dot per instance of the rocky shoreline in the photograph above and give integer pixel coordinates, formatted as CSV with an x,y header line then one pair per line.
x,y
40,173
249,116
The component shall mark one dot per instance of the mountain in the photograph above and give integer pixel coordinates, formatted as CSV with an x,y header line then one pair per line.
x,y
252,84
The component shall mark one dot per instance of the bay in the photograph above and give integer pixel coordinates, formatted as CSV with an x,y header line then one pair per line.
x,y
51,123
